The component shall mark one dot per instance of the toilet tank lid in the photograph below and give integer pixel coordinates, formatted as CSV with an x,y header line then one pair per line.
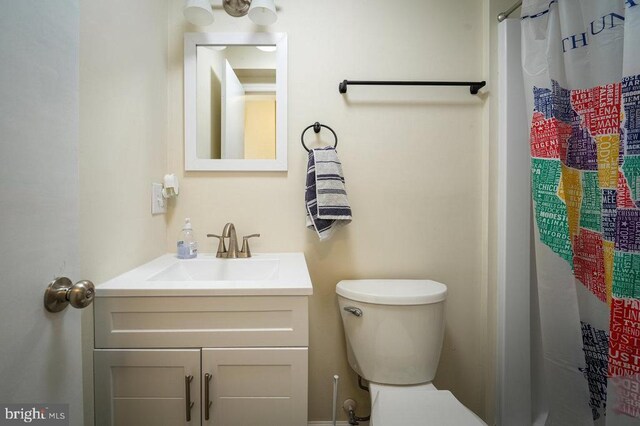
x,y
393,292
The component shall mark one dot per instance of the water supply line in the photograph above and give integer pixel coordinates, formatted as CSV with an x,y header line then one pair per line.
x,y
336,378
363,387
349,405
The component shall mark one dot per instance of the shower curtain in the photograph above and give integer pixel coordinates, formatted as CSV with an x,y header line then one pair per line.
x,y
581,66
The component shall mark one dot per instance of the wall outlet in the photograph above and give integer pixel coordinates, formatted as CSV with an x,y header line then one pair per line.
x,y
158,202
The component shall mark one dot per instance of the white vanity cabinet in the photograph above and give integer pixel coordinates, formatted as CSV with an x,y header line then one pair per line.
x,y
255,349
146,387
255,386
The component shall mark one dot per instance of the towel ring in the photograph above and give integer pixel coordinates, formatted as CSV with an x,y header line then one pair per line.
x,y
316,128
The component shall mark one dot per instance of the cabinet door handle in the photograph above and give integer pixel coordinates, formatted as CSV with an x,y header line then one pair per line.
x,y
187,390
207,401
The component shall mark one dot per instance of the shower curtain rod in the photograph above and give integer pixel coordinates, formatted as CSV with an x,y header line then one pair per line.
x,y
474,86
504,15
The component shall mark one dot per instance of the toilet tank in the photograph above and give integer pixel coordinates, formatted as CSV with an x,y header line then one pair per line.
x,y
397,338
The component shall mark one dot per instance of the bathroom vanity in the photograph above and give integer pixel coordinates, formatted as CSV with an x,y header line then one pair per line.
x,y
204,341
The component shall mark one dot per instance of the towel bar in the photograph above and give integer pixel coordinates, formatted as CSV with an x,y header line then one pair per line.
x,y
474,86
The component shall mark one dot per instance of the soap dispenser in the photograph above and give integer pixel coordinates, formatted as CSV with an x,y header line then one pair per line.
x,y
187,245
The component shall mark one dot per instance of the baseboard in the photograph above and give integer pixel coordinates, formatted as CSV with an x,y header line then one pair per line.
x,y
330,423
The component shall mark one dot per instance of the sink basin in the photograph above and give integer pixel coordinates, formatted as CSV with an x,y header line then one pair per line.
x,y
277,274
213,269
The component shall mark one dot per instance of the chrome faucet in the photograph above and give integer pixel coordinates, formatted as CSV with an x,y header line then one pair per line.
x,y
229,231
232,252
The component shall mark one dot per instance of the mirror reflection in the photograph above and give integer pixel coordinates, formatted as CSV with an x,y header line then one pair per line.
x,y
236,102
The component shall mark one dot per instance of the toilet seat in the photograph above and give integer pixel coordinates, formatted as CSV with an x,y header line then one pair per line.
x,y
419,407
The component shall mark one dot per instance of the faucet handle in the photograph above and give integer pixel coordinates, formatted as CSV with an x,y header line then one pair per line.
x,y
222,249
245,251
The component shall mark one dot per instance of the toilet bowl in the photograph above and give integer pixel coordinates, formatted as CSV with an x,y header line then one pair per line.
x,y
394,331
418,405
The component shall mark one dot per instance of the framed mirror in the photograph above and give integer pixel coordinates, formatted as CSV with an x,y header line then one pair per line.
x,y
235,101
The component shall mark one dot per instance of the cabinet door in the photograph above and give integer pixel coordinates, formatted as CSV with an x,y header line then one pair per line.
x,y
255,386
146,387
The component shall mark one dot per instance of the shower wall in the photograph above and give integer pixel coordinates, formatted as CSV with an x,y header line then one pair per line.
x,y
519,351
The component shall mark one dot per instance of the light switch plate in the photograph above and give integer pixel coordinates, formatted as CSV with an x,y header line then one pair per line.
x,y
158,203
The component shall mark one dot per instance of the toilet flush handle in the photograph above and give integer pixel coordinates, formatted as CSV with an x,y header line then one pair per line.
x,y
353,310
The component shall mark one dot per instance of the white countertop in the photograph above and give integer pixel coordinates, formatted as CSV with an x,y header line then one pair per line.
x,y
290,278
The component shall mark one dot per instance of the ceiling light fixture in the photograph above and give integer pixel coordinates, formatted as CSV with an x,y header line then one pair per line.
x,y
261,12
236,8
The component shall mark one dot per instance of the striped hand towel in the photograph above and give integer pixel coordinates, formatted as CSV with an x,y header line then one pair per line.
x,y
325,194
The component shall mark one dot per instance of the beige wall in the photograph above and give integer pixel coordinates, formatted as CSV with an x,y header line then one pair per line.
x,y
260,127
414,160
123,140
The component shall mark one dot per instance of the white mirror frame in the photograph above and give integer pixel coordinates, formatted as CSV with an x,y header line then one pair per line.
x,y
191,160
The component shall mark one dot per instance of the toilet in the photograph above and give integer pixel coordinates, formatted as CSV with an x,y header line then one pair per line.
x,y
394,331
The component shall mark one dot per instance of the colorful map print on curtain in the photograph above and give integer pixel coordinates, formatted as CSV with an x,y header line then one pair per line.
x,y
585,149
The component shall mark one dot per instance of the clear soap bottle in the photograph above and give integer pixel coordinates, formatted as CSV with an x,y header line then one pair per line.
x,y
187,245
